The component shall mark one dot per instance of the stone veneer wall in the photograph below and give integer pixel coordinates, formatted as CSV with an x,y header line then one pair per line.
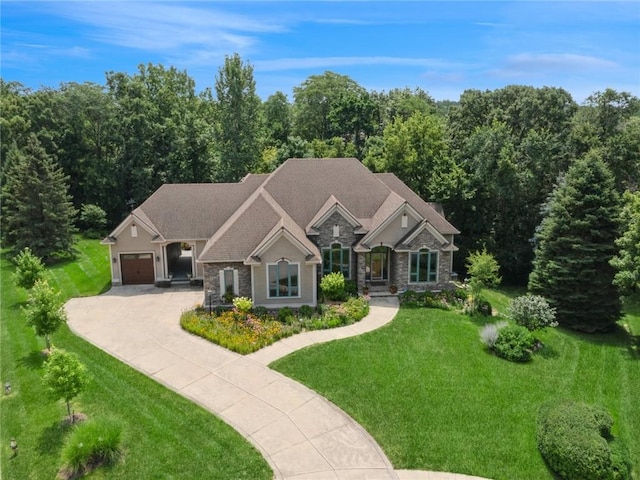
x,y
347,238
400,268
212,280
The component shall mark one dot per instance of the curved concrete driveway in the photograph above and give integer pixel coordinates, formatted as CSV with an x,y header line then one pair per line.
x,y
302,435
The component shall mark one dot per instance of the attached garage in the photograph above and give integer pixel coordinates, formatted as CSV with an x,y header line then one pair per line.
x,y
137,268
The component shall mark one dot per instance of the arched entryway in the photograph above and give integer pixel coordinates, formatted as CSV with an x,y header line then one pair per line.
x,y
179,261
377,266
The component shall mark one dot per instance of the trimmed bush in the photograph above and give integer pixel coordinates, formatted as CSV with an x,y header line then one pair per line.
x,y
514,343
306,311
285,314
90,444
333,287
575,440
532,312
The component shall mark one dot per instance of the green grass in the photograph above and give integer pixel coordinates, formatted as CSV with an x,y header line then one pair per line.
x,y
435,399
165,436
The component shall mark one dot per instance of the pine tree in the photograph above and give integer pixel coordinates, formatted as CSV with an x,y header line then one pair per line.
x,y
575,244
36,208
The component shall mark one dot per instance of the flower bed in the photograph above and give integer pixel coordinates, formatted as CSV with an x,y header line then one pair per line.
x,y
246,332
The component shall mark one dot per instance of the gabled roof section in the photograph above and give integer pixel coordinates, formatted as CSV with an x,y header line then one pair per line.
x,y
255,224
403,245
282,230
138,218
195,210
433,215
392,208
331,206
302,185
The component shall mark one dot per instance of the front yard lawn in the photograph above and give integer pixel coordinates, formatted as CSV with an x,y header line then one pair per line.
x,y
435,399
165,435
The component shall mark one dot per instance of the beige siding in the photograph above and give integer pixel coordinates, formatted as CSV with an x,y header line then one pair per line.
x,y
394,232
128,244
284,249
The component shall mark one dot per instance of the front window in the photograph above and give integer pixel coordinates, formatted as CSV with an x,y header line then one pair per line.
x,y
336,259
283,279
424,266
229,281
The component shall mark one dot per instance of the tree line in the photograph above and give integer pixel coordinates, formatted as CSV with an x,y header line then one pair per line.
x,y
492,159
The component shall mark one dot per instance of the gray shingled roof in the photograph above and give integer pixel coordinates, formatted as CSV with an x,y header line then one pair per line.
x,y
196,210
425,209
236,218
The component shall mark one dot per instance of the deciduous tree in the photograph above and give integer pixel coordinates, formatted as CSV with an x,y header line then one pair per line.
x,y
237,120
29,269
64,376
45,310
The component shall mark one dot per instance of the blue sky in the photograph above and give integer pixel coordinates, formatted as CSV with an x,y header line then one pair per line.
x,y
441,47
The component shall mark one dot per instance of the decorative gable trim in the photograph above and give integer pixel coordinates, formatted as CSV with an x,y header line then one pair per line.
x,y
403,245
278,232
133,220
365,244
331,206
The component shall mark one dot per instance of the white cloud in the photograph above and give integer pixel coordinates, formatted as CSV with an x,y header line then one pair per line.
x,y
158,26
557,61
324,62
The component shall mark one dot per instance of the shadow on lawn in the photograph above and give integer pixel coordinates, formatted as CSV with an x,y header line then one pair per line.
x,y
52,437
618,336
33,361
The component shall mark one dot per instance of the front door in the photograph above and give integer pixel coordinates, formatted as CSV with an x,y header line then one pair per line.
x,y
377,265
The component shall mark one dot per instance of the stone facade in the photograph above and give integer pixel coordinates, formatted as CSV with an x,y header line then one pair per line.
x,y
346,237
212,281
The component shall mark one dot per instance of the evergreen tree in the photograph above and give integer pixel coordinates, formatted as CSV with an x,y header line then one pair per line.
x,y
37,211
237,124
575,244
627,262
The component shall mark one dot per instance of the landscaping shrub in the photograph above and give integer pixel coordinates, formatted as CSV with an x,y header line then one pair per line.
x,y
514,343
243,304
575,440
247,332
285,314
306,311
350,288
93,220
90,444
356,308
445,300
29,269
532,312
489,333
261,311
483,307
333,287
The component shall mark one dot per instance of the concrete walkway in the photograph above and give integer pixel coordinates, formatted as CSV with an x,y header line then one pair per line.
x,y
302,435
